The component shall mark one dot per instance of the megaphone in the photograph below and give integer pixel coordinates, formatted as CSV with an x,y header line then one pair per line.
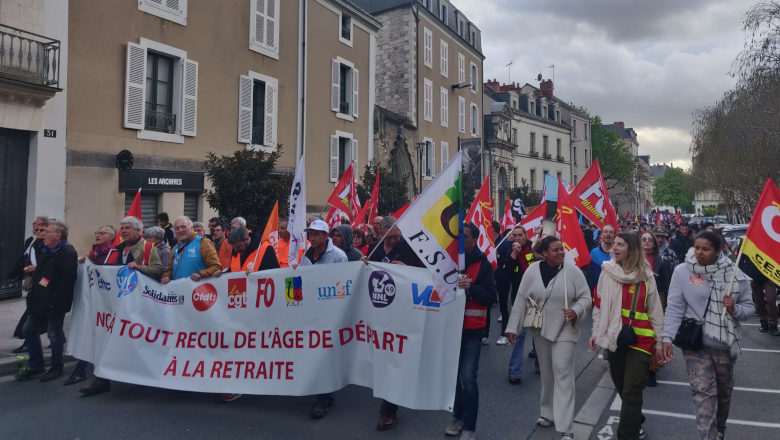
x,y
549,228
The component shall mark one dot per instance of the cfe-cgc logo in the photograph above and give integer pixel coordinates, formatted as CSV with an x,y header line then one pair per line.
x,y
428,299
127,280
381,288
203,297
293,291
169,298
237,293
339,291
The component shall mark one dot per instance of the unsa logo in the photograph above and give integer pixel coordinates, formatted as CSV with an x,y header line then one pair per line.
x,y
203,297
381,288
127,280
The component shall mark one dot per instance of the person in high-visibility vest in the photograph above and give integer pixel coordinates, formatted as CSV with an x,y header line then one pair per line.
x,y
625,280
249,254
481,293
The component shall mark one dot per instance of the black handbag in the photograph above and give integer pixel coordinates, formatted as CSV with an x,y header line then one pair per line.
x,y
627,336
689,334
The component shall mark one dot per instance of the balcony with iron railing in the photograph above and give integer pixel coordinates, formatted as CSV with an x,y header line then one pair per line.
x,y
160,121
29,57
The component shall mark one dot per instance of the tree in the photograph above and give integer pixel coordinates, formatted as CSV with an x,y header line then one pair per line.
x,y
709,211
617,163
468,189
524,193
392,191
671,189
247,185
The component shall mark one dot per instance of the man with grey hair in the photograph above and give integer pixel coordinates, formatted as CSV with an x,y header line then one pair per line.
x,y
193,257
156,235
199,228
238,221
135,252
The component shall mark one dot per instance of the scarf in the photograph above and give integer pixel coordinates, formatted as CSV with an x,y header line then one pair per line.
x,y
718,274
610,291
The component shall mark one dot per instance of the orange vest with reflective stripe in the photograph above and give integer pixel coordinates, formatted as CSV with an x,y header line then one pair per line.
x,y
641,323
235,265
475,316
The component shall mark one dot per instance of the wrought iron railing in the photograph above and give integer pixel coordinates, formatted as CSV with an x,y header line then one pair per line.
x,y
160,121
258,135
29,57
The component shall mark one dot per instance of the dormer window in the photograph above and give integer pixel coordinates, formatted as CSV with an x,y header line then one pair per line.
x,y
443,11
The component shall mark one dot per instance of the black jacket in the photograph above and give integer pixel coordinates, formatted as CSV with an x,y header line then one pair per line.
x,y
483,289
514,270
680,245
502,255
17,272
53,281
402,252
169,235
267,261
664,269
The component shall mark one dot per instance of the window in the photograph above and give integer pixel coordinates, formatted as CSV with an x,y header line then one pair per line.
x,y
557,116
445,58
428,110
545,147
533,108
171,10
558,147
575,156
587,160
461,68
545,115
345,31
461,27
461,114
445,155
473,37
445,107
474,120
264,27
257,111
585,130
343,151
576,180
443,11
559,175
344,94
533,143
574,128
428,158
191,205
533,180
514,136
428,47
474,77
161,92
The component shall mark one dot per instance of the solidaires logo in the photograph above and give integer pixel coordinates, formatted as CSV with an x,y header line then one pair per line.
x,y
126,280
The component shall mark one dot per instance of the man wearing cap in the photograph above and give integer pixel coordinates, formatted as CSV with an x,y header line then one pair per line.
x,y
668,263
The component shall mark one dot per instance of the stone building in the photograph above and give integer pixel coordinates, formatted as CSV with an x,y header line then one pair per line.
x,y
636,197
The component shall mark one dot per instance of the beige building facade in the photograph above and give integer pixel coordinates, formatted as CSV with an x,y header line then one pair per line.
x,y
171,85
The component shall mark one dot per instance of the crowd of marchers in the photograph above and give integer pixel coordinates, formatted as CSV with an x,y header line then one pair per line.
x,y
648,287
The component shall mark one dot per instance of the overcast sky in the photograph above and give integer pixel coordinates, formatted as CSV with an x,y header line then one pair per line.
x,y
649,63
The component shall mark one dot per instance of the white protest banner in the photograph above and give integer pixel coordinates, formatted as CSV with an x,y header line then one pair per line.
x,y
296,224
290,332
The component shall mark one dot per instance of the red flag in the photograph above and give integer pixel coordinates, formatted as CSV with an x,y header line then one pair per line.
x,y
678,217
333,218
570,231
762,240
134,211
400,211
508,220
369,209
591,198
481,215
344,196
534,218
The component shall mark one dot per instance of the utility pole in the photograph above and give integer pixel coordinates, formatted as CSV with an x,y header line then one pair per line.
x,y
510,71
553,69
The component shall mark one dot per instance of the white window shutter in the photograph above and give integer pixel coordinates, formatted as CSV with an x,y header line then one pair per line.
x,y
355,157
433,159
271,25
461,114
263,25
335,77
257,22
424,161
334,158
445,107
445,58
445,155
355,90
270,115
245,89
135,87
189,106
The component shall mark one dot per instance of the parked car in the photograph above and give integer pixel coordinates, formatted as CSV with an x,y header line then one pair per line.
x,y
732,232
717,221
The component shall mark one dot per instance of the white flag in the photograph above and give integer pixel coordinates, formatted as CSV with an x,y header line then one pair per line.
x,y
296,224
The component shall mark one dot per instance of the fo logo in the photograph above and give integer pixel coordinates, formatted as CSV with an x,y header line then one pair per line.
x,y
203,297
293,291
126,280
381,288
237,293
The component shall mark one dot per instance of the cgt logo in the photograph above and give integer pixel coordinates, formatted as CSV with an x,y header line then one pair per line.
x,y
204,297
101,283
237,293
127,280
428,299
381,288
339,291
293,291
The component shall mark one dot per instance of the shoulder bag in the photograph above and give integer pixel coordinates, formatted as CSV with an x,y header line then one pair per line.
x,y
627,336
533,311
689,334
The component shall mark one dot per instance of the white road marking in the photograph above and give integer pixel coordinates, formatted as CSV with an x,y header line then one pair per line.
x,y
744,323
761,350
617,402
752,390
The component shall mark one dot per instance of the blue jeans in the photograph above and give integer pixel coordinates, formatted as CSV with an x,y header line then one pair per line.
x,y
516,360
56,336
466,389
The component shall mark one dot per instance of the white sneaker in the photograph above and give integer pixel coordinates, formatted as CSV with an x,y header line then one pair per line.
x,y
468,435
502,341
455,427
500,319
485,341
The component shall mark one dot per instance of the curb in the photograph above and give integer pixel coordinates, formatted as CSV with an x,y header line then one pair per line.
x,y
11,365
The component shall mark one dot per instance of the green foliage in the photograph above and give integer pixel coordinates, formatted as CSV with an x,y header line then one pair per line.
x,y
615,159
392,191
246,185
469,191
672,189
709,211
529,198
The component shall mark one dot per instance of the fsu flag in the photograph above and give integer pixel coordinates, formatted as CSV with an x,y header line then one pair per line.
x,y
570,231
481,214
591,198
344,197
508,220
134,211
762,240
271,232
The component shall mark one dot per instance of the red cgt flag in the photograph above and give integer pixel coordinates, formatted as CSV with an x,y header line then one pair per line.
x,y
762,240
134,211
570,231
591,198
369,209
344,197
534,218
481,214
508,220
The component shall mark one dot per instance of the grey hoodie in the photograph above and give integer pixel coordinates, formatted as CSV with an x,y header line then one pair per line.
x,y
332,254
346,232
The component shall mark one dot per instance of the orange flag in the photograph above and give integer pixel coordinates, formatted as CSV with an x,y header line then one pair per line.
x,y
271,233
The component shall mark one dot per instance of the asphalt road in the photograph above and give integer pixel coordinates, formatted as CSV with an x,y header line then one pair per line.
x,y
35,410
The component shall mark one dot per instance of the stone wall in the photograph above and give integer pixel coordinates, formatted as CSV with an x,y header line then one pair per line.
x,y
395,146
395,64
27,15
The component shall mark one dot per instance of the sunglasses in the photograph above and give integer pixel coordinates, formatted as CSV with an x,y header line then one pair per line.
x,y
647,240
40,230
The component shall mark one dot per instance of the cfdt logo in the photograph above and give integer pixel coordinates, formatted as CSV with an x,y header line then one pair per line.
x,y
428,299
339,291
381,288
293,291
237,293
101,283
127,280
203,297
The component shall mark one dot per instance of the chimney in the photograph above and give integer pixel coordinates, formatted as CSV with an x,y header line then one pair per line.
x,y
621,124
547,88
494,85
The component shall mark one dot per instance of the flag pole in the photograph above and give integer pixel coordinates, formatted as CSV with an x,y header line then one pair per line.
x,y
733,275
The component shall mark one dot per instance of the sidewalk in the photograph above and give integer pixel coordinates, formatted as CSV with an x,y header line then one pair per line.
x,y
11,310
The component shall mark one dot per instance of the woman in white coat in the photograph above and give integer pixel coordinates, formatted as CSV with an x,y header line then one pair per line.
x,y
563,299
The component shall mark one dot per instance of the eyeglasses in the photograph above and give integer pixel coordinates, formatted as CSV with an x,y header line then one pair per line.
x,y
393,237
647,240
40,230
101,233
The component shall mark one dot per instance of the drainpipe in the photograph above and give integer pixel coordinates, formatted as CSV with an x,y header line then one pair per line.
x,y
416,14
299,151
